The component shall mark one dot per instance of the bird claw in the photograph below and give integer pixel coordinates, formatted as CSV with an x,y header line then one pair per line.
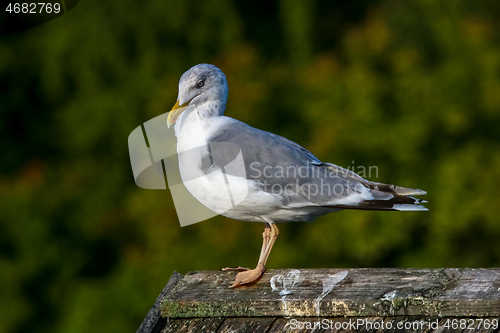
x,y
235,269
248,277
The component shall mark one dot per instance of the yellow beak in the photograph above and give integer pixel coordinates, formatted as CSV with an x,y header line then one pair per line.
x,y
176,112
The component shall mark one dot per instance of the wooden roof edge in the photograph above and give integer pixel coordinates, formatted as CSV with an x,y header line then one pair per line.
x,y
153,321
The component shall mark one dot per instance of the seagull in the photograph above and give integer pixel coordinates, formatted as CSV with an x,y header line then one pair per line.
x,y
281,180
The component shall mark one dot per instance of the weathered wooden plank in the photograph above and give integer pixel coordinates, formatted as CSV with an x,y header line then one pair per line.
x,y
210,325
153,322
246,325
334,324
191,325
338,292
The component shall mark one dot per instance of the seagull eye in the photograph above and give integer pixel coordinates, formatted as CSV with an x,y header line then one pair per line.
x,y
200,83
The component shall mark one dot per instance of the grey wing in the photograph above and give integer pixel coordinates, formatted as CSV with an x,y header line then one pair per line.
x,y
385,196
285,168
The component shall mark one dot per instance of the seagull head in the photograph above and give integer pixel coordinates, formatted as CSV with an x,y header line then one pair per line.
x,y
203,86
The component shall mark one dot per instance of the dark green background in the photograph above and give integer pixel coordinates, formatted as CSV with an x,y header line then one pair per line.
x,y
412,87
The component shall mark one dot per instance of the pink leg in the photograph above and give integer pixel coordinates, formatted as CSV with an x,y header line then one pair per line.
x,y
252,275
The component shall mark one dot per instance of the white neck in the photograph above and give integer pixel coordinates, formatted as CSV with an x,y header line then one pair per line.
x,y
192,125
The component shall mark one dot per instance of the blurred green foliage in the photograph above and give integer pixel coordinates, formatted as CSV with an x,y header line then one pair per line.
x,y
412,87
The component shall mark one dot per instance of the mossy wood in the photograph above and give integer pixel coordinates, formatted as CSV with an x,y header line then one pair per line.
x,y
203,302
359,292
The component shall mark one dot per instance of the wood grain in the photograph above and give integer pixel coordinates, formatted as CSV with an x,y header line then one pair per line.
x,y
376,292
